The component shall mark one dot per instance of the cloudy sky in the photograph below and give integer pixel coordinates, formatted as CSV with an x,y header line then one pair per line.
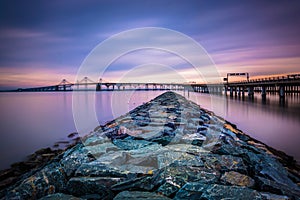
x,y
42,42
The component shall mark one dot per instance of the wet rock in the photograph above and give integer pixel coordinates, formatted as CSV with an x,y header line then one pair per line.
x,y
72,135
168,189
47,181
142,183
269,196
98,169
224,163
191,191
236,178
127,195
131,143
277,188
81,186
185,174
230,192
60,196
73,158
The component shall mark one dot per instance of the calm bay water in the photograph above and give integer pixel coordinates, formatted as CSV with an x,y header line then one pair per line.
x,y
30,121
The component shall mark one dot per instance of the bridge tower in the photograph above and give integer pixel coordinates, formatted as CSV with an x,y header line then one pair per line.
x,y
99,84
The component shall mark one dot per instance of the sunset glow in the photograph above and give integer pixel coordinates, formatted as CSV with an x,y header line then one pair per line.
x,y
42,48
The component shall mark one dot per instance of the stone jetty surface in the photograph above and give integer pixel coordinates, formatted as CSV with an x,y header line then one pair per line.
x,y
168,148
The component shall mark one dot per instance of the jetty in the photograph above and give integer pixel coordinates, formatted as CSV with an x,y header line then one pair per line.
x,y
167,148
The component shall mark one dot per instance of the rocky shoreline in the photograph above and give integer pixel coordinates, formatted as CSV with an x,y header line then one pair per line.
x,y
168,148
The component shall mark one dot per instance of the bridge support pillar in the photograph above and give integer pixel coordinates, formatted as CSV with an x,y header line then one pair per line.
x,y
243,92
263,92
251,92
235,91
281,91
98,87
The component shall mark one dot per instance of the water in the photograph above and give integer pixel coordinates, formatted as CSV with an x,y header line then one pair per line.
x,y
30,121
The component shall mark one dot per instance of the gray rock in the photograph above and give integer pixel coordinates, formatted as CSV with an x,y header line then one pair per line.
x,y
179,175
230,192
130,143
127,195
168,188
81,186
236,178
269,196
98,169
191,191
49,180
73,158
224,162
277,188
143,183
60,196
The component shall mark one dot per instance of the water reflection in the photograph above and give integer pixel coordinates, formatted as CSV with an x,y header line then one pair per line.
x,y
30,121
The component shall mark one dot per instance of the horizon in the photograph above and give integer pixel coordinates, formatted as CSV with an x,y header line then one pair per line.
x,y
43,43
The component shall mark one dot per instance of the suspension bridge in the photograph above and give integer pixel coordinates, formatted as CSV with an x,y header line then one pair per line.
x,y
276,84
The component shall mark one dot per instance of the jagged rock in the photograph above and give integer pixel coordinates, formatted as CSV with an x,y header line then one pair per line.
x,y
230,192
98,169
224,162
100,149
127,195
73,158
131,143
60,196
81,186
185,174
168,189
49,180
277,188
236,178
191,191
269,196
143,183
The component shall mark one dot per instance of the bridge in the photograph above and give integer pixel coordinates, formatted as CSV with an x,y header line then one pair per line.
x,y
280,84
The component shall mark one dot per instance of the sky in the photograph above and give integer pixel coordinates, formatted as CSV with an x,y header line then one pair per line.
x,y
43,42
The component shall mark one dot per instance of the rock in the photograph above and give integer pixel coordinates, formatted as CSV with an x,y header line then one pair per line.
x,y
236,178
81,186
168,189
71,135
127,195
98,169
47,181
74,157
60,196
224,163
191,191
180,175
144,183
100,149
230,192
129,143
278,188
269,196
